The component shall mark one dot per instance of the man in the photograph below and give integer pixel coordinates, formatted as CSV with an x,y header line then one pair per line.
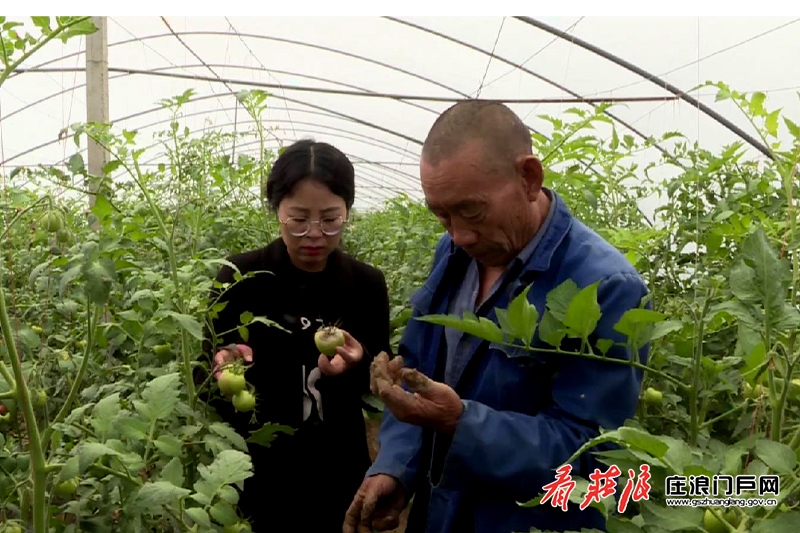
x,y
488,425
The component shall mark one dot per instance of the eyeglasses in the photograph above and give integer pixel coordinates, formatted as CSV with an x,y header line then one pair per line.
x,y
298,227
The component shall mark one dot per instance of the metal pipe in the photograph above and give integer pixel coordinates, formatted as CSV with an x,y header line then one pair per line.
x,y
527,71
367,94
313,106
650,77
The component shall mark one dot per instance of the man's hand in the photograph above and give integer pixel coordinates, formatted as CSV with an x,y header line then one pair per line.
x,y
346,357
376,506
231,353
431,404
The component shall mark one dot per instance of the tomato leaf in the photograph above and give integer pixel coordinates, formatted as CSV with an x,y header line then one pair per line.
x,y
223,513
229,467
173,472
189,323
104,414
778,456
158,493
551,330
90,452
161,395
480,327
523,317
229,434
268,433
199,516
558,299
638,325
169,445
783,523
583,312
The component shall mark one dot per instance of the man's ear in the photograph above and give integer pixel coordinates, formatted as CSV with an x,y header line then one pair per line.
x,y
531,171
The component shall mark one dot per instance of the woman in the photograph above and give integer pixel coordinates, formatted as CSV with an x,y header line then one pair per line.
x,y
306,481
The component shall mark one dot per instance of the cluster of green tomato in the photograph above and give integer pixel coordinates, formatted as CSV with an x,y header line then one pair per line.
x,y
38,399
233,385
53,222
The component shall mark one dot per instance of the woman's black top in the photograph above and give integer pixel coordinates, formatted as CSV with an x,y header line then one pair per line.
x,y
306,481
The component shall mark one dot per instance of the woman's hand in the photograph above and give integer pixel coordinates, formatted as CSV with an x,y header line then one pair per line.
x,y
231,353
346,357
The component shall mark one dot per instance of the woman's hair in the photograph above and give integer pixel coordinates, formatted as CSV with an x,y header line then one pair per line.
x,y
308,159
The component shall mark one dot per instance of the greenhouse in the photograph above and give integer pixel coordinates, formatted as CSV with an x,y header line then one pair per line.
x,y
196,210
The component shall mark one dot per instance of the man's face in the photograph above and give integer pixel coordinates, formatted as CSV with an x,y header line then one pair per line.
x,y
485,208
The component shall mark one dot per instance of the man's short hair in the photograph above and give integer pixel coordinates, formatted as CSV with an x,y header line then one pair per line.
x,y
492,123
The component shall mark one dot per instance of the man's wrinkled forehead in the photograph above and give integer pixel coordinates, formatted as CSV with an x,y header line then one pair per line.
x,y
456,201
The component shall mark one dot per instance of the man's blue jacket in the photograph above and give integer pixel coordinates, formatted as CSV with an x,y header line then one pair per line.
x,y
525,413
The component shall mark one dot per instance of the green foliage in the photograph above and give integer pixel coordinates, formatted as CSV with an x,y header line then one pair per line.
x,y
107,310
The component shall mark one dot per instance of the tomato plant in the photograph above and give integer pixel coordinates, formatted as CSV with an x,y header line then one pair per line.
x,y
104,328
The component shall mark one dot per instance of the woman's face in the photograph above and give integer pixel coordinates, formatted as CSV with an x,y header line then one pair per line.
x,y
311,202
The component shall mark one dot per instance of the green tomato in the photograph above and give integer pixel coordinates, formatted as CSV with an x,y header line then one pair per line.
x,y
756,392
713,525
23,461
5,419
11,528
37,329
653,396
64,236
53,221
231,383
67,487
162,350
9,464
328,339
244,401
40,399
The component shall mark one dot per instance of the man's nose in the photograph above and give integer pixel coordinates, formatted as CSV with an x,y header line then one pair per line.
x,y
464,237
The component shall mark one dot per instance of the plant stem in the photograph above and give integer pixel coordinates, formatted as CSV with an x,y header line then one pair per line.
x,y
170,239
22,213
724,415
795,442
173,266
24,57
694,427
793,488
149,445
53,467
136,174
677,382
6,373
92,318
777,413
38,465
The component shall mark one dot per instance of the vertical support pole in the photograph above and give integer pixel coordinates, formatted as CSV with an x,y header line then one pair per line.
x,y
96,97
